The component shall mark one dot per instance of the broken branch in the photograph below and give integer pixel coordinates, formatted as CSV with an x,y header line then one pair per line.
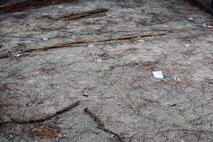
x,y
84,14
58,45
44,118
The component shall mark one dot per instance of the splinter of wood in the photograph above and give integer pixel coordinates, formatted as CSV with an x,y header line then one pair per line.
x,y
95,117
101,124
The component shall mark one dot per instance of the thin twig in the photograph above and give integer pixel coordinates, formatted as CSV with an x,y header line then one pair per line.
x,y
84,14
111,132
121,93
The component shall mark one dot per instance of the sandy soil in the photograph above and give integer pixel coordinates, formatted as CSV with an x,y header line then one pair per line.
x,y
34,85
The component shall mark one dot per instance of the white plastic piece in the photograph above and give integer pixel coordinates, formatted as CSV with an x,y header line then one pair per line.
x,y
204,25
45,38
18,55
158,74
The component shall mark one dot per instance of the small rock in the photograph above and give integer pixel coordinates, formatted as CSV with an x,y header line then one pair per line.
x,y
98,60
85,94
176,78
141,40
111,137
91,45
187,45
191,19
64,136
45,38
204,25
173,105
18,55
60,135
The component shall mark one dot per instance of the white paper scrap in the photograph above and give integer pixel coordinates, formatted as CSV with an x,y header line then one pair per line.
x,y
158,74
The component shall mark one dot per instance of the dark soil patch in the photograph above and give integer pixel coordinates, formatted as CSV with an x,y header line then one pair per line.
x,y
30,4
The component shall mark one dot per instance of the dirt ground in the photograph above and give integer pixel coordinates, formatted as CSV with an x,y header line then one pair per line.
x,y
112,78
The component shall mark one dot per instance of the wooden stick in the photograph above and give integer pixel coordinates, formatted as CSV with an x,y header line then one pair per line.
x,y
80,41
84,14
95,117
57,45
76,16
101,124
125,37
111,133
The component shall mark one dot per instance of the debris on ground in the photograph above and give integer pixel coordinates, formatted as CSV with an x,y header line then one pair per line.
x,y
101,124
42,118
44,132
94,116
158,74
141,69
85,94
6,104
28,37
84,14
